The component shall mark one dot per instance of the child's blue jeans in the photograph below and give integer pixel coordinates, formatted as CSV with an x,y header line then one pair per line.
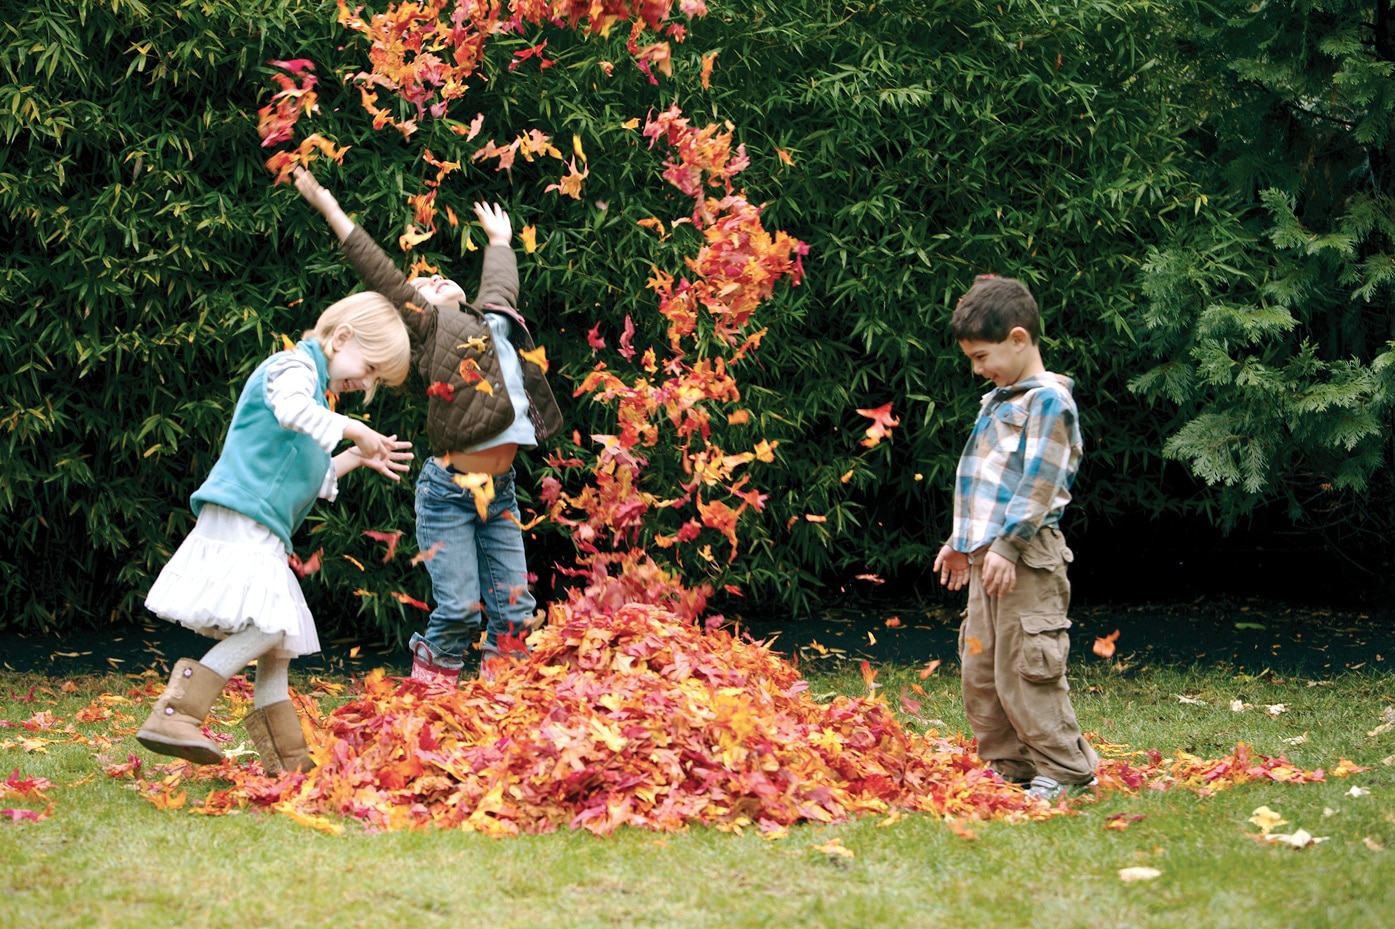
x,y
481,564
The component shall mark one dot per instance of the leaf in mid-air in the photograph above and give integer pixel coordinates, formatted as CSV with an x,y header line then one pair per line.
x,y
391,538
882,423
1104,646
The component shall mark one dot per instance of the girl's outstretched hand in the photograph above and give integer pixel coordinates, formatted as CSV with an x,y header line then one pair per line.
x,y
383,453
495,223
394,460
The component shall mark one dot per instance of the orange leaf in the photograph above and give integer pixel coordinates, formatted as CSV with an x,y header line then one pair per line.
x,y
411,601
882,422
972,645
529,235
1104,647
391,538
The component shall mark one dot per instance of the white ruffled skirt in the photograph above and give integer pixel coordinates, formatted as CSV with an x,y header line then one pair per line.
x,y
231,573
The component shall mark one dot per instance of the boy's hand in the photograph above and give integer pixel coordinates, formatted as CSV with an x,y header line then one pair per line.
x,y
953,567
999,575
495,223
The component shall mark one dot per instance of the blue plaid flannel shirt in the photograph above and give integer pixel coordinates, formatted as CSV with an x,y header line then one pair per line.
x,y
1015,474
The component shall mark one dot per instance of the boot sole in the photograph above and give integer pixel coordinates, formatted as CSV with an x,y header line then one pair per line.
x,y
197,752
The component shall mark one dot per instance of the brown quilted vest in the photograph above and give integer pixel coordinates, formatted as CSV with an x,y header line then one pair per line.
x,y
442,338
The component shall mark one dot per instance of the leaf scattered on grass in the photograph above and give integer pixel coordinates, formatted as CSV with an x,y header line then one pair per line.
x,y
1138,874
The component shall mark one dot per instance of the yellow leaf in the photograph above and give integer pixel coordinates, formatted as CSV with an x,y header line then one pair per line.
x,y
286,343
537,356
412,237
529,235
354,561
834,847
1266,819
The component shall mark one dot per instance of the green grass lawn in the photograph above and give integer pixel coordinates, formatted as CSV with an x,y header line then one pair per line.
x,y
106,857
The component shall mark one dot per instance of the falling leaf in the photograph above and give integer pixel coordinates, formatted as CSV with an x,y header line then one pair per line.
x,y
529,235
391,538
413,237
1104,647
410,601
815,518
972,645
892,622
419,557
929,668
354,561
707,61
481,486
882,423
1138,874
537,356
442,390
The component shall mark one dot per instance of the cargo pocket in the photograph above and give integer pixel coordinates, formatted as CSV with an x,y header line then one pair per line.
x,y
1045,645
1047,551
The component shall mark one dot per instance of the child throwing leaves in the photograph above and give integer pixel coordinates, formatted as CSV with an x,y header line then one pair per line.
x,y
1012,484
488,397
230,578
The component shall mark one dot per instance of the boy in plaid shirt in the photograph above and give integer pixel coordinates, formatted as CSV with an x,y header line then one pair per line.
x,y
1012,484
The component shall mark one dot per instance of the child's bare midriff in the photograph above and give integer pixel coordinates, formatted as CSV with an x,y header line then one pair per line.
x,y
495,461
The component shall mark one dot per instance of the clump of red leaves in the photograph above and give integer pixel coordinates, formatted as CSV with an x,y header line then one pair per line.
x,y
626,718
633,717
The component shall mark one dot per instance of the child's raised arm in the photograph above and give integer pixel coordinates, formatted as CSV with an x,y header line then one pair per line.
x,y
495,223
324,201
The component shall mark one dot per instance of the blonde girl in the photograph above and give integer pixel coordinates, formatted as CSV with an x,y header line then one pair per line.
x,y
230,578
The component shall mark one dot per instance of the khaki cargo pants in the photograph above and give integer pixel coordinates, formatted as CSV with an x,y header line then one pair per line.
x,y
1013,650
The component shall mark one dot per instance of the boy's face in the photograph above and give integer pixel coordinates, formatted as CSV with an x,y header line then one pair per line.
x,y
1004,362
441,291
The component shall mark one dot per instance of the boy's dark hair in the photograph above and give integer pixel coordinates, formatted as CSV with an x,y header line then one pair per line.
x,y
992,308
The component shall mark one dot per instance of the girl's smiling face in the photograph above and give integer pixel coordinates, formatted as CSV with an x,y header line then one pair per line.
x,y
438,290
348,368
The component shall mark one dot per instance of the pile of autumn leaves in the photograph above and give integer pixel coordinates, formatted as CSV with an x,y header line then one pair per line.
x,y
637,718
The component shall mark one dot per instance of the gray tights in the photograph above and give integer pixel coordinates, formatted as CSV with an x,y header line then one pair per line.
x,y
242,648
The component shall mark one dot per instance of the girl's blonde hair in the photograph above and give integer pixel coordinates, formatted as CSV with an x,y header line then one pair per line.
x,y
374,322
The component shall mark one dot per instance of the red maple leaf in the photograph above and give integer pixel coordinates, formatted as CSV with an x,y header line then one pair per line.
x,y
882,422
391,538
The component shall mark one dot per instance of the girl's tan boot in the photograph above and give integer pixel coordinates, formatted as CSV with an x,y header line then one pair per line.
x,y
175,724
275,730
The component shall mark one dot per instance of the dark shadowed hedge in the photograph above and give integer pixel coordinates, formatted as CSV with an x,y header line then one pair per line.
x,y
151,265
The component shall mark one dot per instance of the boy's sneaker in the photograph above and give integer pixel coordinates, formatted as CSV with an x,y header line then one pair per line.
x,y
1051,790
424,669
1008,779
